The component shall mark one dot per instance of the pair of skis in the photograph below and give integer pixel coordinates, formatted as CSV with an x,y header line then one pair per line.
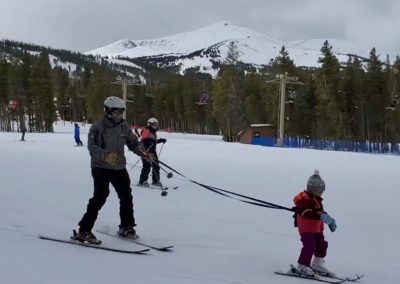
x,y
160,187
164,189
156,245
322,277
145,243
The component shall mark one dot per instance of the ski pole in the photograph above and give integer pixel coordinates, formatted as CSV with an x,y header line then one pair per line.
x,y
137,132
134,165
164,192
169,174
159,153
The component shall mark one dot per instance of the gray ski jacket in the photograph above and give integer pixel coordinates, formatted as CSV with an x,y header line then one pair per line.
x,y
106,136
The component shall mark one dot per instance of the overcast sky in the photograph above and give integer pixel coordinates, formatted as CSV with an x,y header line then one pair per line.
x,y
82,25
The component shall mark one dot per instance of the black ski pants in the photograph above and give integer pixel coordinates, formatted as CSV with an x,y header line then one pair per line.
x,y
78,141
121,182
155,173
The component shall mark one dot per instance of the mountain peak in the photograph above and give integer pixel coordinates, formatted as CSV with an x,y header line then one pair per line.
x,y
210,43
127,43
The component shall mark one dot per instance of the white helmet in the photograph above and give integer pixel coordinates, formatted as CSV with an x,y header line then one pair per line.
x,y
114,102
152,120
153,123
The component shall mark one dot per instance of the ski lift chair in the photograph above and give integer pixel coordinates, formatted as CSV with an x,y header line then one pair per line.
x,y
130,98
203,99
392,106
291,97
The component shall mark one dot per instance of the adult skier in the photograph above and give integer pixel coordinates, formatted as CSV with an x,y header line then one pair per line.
x,y
77,134
106,141
22,128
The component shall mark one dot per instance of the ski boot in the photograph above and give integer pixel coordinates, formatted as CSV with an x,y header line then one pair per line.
x,y
85,236
157,183
306,271
319,268
143,184
127,232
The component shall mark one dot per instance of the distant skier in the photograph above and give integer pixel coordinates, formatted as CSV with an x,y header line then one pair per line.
x,y
149,139
22,128
106,141
77,134
310,218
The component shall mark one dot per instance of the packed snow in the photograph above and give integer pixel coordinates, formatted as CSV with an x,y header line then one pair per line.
x,y
46,183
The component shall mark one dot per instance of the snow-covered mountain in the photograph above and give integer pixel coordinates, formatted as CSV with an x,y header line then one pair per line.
x,y
199,48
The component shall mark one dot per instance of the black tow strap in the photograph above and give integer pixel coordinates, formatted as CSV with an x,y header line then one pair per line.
x,y
227,193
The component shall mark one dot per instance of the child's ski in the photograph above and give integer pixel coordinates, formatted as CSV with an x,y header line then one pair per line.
x,y
334,276
293,273
315,278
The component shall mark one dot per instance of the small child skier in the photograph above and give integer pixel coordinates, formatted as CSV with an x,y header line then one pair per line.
x,y
149,139
310,218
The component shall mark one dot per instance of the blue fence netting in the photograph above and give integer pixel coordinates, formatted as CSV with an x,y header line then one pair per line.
x,y
335,145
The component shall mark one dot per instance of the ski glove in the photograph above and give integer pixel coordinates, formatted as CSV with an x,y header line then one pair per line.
x,y
333,226
112,158
150,157
329,221
161,140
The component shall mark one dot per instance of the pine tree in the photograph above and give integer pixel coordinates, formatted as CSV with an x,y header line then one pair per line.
x,y
395,115
4,118
376,98
300,109
60,82
232,55
353,91
99,89
283,63
44,111
253,91
228,103
390,118
330,121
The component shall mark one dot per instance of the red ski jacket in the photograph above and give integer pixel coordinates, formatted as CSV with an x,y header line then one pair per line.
x,y
309,209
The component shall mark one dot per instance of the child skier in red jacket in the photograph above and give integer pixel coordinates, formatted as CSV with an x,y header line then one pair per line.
x,y
310,219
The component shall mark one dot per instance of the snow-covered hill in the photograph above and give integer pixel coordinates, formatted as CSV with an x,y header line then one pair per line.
x,y
211,43
72,62
45,186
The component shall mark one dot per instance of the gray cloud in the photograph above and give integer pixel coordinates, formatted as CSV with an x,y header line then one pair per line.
x,y
84,25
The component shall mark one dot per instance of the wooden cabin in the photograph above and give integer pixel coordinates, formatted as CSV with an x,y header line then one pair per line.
x,y
258,134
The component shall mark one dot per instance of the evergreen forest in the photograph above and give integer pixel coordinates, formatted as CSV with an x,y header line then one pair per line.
x,y
357,100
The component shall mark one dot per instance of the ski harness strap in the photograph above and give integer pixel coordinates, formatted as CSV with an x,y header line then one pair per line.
x,y
231,194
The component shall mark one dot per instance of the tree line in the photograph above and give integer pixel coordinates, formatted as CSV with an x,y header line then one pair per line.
x,y
356,100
